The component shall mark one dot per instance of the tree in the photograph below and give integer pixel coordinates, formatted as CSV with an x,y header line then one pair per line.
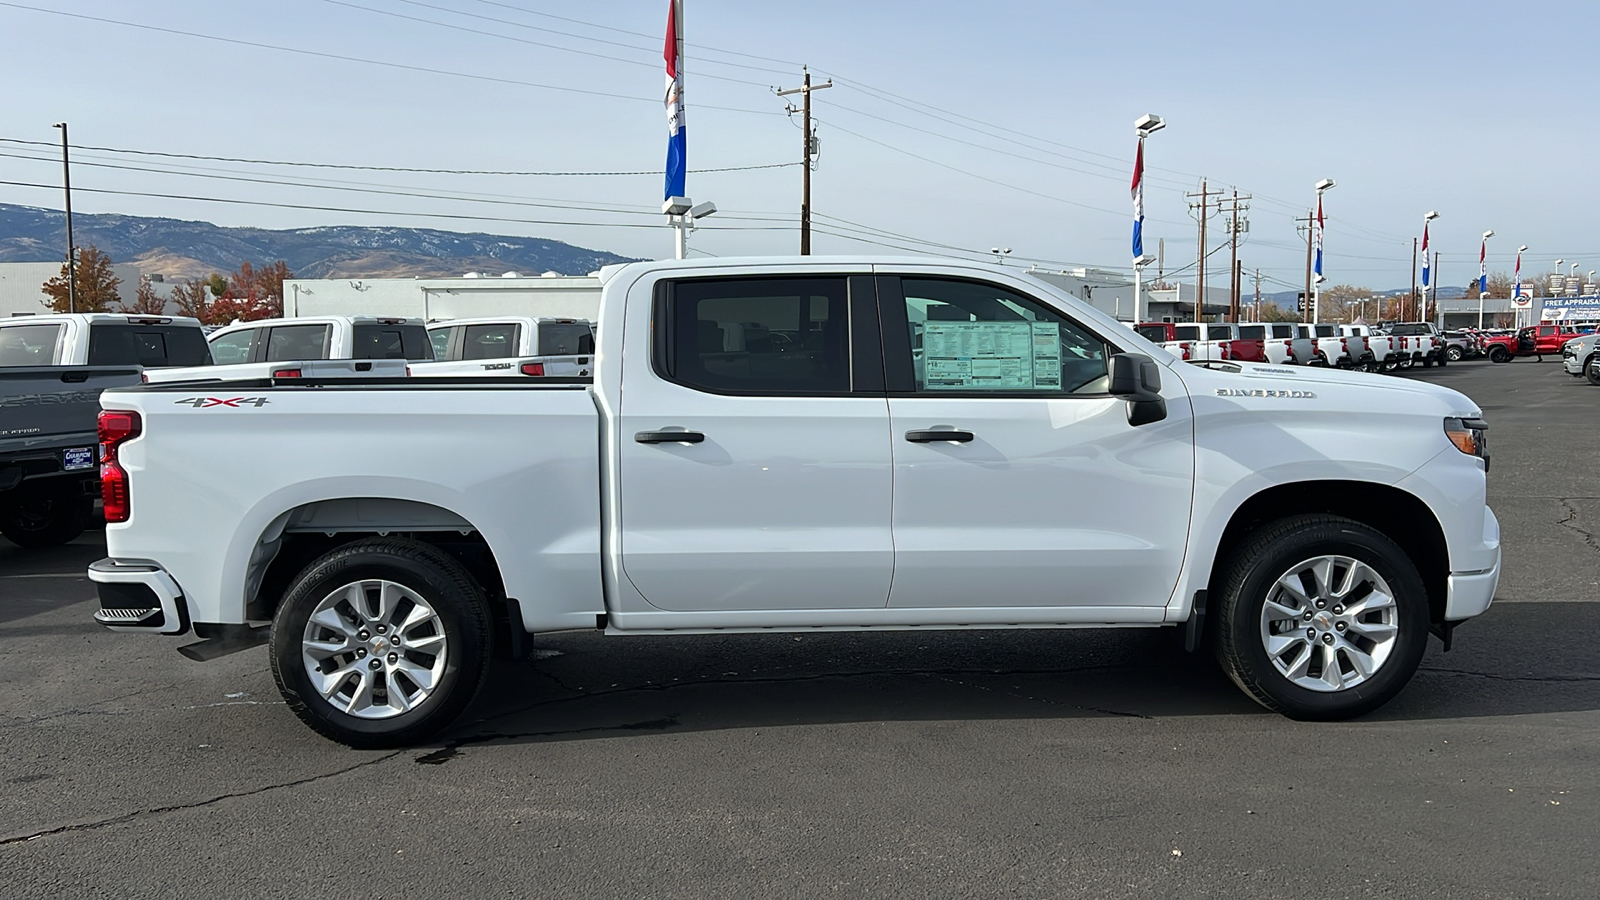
x,y
1343,301
1500,285
250,294
190,298
95,282
146,302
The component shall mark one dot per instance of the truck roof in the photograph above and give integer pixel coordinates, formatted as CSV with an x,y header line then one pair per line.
x,y
92,318
494,320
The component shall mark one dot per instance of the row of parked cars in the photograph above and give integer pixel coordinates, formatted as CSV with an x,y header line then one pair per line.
x,y
53,368
1387,348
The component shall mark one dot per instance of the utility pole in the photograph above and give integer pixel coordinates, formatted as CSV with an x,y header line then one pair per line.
x,y
1435,274
808,142
1310,223
1161,260
72,255
1235,228
1204,206
1257,314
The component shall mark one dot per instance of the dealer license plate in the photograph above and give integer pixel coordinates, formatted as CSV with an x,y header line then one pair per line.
x,y
77,458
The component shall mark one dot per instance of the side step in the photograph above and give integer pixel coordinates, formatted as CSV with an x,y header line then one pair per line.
x,y
128,618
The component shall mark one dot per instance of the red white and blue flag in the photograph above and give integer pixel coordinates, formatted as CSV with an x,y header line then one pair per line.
x,y
1138,202
1483,269
1516,289
1317,233
1424,254
677,147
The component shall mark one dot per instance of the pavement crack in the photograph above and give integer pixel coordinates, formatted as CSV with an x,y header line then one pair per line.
x,y
176,807
1572,516
1497,676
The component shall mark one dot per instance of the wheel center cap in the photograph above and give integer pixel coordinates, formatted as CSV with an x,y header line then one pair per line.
x,y
1323,621
379,645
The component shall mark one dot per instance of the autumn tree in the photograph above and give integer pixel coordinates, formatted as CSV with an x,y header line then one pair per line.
x,y
146,302
95,282
251,293
191,299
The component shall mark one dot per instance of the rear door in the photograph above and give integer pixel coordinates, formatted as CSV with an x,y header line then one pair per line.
x,y
777,495
1042,495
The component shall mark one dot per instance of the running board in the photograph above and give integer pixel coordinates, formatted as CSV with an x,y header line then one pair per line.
x,y
223,640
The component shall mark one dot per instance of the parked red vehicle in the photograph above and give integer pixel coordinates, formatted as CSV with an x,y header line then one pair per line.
x,y
1535,341
1202,341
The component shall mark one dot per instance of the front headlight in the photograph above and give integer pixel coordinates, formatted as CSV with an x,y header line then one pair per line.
x,y
1471,436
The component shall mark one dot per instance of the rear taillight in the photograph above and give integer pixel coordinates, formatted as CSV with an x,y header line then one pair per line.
x,y
533,368
285,373
116,427
1227,351
1344,344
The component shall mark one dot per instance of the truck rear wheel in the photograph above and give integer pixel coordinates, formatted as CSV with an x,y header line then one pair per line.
x,y
1453,354
1321,617
37,517
1592,370
381,643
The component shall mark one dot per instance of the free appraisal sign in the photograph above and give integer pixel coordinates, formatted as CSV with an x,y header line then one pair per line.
x,y
1558,309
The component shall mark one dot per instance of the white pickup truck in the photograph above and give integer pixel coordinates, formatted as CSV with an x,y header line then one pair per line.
x,y
267,347
527,345
929,444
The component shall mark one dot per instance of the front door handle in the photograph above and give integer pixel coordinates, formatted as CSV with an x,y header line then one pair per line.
x,y
669,437
928,437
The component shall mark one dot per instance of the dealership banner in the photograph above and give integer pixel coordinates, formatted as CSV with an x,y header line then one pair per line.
x,y
1567,309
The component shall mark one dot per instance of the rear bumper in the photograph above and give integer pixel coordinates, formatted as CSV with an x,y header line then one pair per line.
x,y
138,595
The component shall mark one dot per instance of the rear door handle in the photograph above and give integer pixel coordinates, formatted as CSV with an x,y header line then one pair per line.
x,y
669,437
928,437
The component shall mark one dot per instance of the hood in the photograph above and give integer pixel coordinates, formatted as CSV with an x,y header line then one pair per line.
x,y
1338,384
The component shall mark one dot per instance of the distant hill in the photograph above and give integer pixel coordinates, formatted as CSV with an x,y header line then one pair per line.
x,y
185,249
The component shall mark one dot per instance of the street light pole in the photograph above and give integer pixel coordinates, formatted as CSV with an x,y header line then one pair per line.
x,y
1422,302
72,261
1144,126
1139,263
1483,273
1316,285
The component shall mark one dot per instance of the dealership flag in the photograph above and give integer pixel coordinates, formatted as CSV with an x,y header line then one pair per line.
x,y
1516,289
1483,271
1138,202
677,148
1424,254
1317,235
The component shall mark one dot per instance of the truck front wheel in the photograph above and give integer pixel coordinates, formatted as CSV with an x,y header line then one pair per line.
x,y
1321,617
1592,370
381,643
36,517
1499,354
1454,354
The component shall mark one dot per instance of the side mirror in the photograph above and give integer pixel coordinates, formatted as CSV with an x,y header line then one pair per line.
x,y
1136,378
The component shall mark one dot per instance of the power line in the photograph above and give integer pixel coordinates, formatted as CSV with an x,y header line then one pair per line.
x,y
535,12
319,165
365,61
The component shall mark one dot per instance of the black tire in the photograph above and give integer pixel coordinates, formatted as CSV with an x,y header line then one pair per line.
x,y
36,517
1592,371
1499,354
462,611
1443,358
1407,362
1391,364
1246,580
1427,362
1454,354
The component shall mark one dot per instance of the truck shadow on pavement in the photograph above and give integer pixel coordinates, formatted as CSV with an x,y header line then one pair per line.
x,y
1517,659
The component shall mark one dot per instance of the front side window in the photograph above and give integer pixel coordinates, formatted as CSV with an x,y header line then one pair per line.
x,y
233,347
29,345
974,337
758,335
496,341
287,343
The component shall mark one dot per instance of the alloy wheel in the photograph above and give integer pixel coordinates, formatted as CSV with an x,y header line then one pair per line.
x,y
1329,623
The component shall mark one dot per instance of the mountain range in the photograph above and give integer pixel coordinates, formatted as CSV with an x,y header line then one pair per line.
x,y
178,248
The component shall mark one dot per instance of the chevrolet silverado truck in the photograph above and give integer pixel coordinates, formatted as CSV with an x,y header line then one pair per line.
x,y
1533,340
932,444
1423,342
526,345
52,370
1281,344
264,347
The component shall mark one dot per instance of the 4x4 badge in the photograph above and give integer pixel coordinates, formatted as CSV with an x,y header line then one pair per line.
x,y
234,402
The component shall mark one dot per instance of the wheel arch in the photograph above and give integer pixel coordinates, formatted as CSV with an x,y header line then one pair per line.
x,y
306,531
1399,515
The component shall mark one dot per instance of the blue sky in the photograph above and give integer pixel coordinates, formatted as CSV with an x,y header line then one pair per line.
x,y
968,125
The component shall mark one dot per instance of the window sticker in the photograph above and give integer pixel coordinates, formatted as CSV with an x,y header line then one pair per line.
x,y
991,355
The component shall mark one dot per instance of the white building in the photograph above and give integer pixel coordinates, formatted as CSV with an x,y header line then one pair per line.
x,y
562,296
1106,290
22,286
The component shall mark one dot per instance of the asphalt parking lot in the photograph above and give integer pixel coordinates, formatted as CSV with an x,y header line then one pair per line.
x,y
956,764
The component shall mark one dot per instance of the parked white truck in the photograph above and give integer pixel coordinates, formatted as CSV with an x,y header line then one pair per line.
x,y
894,444
267,347
527,345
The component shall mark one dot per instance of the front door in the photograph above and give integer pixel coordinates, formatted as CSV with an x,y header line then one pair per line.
x,y
1018,481
777,494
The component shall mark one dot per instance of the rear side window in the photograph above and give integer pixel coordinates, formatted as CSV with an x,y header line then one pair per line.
x,y
1219,332
234,347
565,338
286,343
391,342
1154,333
494,341
1187,332
440,338
1253,332
151,346
759,335
29,345
1324,331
